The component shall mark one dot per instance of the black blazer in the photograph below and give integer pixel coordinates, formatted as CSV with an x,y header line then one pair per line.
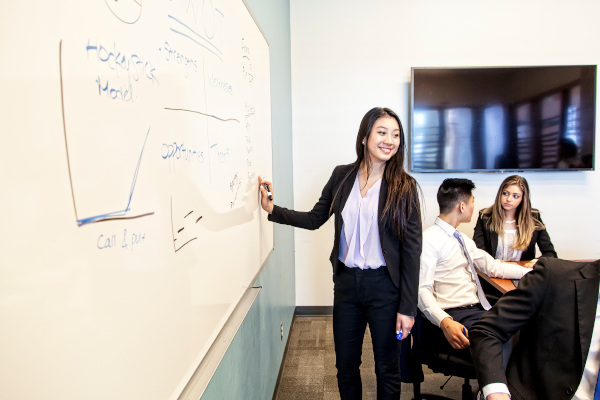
x,y
402,258
554,307
487,239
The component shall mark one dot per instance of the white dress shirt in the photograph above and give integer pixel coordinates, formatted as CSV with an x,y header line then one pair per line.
x,y
445,278
590,371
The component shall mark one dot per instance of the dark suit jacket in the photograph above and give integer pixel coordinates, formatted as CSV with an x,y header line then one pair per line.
x,y
402,258
554,307
487,239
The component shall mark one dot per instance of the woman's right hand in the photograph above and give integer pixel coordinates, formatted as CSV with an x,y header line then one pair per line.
x,y
266,204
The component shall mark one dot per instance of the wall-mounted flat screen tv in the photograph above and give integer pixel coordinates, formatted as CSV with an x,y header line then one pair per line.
x,y
539,118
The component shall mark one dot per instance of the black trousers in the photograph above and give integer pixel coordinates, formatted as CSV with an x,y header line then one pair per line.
x,y
364,297
467,315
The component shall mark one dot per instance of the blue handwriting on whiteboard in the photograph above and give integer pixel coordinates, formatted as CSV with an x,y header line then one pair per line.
x,y
234,186
124,93
134,65
124,213
106,242
127,240
181,152
194,35
217,83
172,55
222,155
246,63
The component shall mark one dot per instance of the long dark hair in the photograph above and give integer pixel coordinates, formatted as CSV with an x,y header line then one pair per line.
x,y
403,190
526,218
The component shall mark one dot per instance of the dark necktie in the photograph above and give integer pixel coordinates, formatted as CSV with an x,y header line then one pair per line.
x,y
482,299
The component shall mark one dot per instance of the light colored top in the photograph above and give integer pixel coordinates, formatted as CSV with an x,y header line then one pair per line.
x,y
445,280
586,388
360,246
590,371
506,250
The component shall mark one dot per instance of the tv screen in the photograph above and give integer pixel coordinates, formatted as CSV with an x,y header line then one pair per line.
x,y
503,119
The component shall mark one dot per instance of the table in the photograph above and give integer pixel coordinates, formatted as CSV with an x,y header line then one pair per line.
x,y
502,285
506,285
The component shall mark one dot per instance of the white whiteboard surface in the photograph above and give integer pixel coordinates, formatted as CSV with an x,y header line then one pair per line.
x,y
133,135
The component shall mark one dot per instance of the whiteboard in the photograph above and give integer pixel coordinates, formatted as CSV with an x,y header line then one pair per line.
x,y
133,134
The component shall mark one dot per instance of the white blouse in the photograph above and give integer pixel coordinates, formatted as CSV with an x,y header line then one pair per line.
x,y
360,246
506,250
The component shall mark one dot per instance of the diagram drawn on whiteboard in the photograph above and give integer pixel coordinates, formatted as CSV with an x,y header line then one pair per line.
x,y
110,214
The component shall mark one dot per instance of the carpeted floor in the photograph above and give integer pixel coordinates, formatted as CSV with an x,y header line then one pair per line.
x,y
309,371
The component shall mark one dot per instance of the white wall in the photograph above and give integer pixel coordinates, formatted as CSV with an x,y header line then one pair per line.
x,y
349,56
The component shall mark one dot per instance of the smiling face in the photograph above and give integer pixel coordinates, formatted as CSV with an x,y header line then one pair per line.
x,y
511,198
384,140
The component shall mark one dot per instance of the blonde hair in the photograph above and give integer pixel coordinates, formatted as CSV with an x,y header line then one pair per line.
x,y
527,218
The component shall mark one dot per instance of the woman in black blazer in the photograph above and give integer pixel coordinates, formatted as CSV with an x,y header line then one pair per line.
x,y
510,229
376,251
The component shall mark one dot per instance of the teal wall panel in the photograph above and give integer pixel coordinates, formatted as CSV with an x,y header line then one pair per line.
x,y
250,367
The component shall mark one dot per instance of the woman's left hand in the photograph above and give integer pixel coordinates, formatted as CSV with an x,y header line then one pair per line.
x,y
404,324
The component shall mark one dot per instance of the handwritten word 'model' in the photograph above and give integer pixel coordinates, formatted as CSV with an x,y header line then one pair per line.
x,y
124,93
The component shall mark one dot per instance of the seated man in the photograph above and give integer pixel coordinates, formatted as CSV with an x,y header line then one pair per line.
x,y
557,310
450,294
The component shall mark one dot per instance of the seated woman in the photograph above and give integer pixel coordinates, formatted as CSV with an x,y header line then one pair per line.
x,y
510,228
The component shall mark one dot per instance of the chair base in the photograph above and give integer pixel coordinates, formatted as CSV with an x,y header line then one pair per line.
x,y
431,397
467,393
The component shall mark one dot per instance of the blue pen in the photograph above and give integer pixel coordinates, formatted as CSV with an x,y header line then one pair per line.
x,y
465,333
398,335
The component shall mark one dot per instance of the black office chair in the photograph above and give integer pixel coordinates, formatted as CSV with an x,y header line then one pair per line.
x,y
430,347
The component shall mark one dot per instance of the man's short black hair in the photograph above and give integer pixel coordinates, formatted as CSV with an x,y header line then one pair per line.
x,y
452,191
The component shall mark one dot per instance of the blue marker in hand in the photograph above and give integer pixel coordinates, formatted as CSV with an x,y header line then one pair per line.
x,y
398,335
465,333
